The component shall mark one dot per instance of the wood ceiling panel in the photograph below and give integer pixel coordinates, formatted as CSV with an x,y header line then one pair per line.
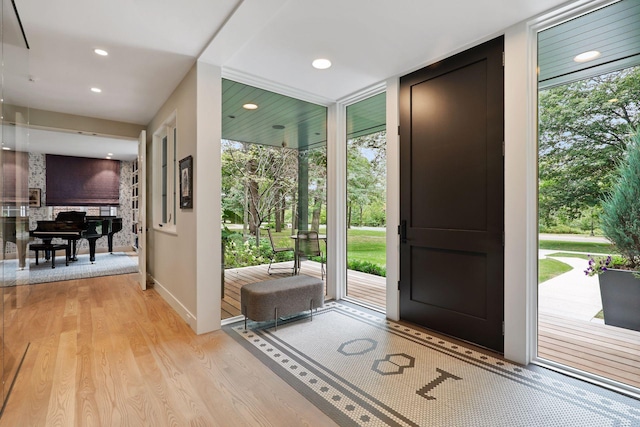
x,y
367,116
614,31
304,123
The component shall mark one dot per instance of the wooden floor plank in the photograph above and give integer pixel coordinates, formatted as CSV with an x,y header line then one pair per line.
x,y
61,409
104,352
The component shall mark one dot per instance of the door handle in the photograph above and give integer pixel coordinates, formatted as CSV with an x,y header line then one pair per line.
x,y
402,230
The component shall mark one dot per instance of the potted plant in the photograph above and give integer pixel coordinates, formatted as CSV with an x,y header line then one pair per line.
x,y
619,277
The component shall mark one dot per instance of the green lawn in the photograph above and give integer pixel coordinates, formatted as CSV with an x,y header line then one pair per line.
x,y
599,248
367,245
550,268
370,245
362,245
568,255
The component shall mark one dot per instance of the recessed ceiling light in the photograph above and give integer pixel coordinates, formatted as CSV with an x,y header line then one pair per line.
x,y
587,56
96,89
6,148
250,106
101,52
108,157
109,154
321,63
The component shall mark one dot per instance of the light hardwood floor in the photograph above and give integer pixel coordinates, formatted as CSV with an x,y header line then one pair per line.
x,y
105,353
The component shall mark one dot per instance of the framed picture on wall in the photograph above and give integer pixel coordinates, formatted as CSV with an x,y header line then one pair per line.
x,y
34,197
186,183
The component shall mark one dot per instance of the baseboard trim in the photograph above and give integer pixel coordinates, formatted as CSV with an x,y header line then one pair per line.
x,y
182,311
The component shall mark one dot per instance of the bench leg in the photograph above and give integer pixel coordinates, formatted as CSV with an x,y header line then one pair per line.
x,y
53,258
36,256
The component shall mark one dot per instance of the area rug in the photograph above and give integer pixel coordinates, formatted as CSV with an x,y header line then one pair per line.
x,y
361,369
106,264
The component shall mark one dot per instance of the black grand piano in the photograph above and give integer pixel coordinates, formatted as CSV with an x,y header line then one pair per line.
x,y
75,225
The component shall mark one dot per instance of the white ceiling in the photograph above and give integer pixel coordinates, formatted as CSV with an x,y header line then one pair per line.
x,y
78,144
153,43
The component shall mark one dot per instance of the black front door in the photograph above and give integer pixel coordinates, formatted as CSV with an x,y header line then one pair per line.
x,y
451,196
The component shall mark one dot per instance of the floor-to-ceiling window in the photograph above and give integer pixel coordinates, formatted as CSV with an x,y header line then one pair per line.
x,y
589,193
366,201
274,173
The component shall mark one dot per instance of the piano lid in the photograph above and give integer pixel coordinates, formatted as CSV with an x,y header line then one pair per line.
x,y
74,216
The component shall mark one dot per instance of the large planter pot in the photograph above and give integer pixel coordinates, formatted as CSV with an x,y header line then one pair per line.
x,y
620,292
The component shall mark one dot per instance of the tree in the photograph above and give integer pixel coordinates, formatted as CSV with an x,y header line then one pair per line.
x,y
621,209
317,184
263,174
584,128
366,176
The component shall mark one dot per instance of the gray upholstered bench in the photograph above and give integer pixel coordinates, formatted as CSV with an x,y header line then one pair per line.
x,y
270,299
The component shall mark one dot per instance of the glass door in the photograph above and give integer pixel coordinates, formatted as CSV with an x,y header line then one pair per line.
x,y
366,201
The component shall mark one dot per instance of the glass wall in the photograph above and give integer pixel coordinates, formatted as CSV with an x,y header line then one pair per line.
x,y
589,193
366,201
274,170
13,194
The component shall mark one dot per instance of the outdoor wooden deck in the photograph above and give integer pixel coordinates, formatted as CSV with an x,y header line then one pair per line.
x,y
366,287
595,348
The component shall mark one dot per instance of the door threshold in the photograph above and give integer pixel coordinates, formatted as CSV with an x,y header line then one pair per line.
x,y
360,303
596,380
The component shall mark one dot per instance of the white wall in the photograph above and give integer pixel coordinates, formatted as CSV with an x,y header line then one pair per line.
x,y
207,190
393,199
185,264
172,256
519,196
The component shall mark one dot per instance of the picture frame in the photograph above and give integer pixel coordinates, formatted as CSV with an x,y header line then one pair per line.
x,y
186,183
34,198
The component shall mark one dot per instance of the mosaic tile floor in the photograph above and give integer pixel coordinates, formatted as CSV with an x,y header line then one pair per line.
x,y
364,370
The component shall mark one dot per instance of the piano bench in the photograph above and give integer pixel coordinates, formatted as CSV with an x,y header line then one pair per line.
x,y
53,247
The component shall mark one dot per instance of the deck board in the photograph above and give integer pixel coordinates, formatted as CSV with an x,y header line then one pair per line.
x,y
365,287
592,347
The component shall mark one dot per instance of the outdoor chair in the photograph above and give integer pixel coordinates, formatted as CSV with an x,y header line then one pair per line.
x,y
308,245
275,251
